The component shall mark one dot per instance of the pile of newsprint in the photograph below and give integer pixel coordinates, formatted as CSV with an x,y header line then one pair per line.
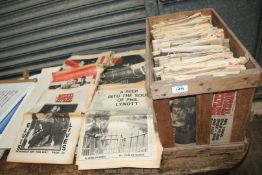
x,y
189,47
94,106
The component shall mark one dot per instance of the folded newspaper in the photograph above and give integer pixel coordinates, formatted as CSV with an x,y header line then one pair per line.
x,y
114,121
118,130
52,126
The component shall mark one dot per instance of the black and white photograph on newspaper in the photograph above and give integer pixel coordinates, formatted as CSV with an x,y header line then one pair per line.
x,y
47,134
110,139
127,74
128,58
46,131
124,68
118,134
183,115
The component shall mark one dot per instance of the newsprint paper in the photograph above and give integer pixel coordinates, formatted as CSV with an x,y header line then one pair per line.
x,y
223,108
121,99
47,138
70,88
113,141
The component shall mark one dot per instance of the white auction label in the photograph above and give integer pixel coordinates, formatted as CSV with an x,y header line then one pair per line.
x,y
179,89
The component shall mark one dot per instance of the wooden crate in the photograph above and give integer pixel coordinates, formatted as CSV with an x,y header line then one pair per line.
x,y
204,88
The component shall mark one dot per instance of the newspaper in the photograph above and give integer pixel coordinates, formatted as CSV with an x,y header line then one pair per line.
x,y
124,68
113,141
121,99
30,99
119,130
76,61
43,135
223,108
77,99
71,89
183,116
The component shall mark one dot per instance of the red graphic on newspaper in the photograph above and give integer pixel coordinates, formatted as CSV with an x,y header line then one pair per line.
x,y
89,70
73,63
64,98
223,103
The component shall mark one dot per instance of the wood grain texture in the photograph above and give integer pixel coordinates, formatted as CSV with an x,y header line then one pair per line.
x,y
207,84
165,130
149,62
201,159
203,118
17,81
204,150
26,74
242,113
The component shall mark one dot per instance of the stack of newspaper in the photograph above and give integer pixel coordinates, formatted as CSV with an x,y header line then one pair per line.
x,y
188,47
100,98
118,130
52,125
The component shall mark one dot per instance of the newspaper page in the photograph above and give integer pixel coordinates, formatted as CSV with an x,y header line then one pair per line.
x,y
74,88
79,98
183,116
113,141
121,99
124,68
29,101
45,135
76,61
11,94
223,107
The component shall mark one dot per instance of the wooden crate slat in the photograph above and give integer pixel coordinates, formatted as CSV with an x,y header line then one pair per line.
x,y
207,84
165,130
203,118
205,150
242,113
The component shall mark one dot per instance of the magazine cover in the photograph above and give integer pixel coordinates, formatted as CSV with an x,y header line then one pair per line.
x,y
112,141
183,116
44,135
223,107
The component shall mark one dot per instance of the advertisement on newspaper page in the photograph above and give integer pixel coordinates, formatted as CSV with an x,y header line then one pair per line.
x,y
223,107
